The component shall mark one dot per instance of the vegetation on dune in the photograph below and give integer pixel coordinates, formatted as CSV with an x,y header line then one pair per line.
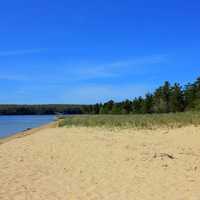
x,y
148,121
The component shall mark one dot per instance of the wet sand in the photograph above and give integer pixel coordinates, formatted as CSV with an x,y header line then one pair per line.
x,y
96,163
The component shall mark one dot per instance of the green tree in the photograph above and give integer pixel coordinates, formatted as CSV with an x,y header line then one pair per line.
x,y
148,103
107,107
162,98
127,106
190,96
137,105
117,108
177,99
96,108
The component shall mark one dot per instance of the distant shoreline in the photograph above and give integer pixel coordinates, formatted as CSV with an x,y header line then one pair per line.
x,y
25,133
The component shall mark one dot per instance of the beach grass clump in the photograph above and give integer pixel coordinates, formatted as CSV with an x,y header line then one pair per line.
x,y
145,121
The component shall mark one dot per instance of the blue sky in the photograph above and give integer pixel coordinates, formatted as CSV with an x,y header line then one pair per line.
x,y
94,50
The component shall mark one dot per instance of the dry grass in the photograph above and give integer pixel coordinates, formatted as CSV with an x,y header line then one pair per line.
x,y
147,121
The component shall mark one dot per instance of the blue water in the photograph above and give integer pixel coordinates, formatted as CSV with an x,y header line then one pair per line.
x,y
10,125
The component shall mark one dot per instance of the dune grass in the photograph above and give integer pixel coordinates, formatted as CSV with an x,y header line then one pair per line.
x,y
146,121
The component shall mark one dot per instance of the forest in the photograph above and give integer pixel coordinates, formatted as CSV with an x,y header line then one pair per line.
x,y
165,99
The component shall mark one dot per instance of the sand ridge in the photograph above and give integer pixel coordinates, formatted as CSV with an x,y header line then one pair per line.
x,y
97,163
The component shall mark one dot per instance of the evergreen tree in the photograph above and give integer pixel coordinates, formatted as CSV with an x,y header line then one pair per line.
x,y
162,98
117,108
176,99
166,96
127,107
148,104
158,101
137,105
96,108
190,96
107,107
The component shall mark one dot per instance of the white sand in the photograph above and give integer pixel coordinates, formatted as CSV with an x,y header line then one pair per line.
x,y
94,163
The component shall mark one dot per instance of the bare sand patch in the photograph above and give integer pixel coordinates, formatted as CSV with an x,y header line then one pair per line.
x,y
97,163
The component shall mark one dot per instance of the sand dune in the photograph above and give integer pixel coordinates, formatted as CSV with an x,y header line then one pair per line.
x,y
94,163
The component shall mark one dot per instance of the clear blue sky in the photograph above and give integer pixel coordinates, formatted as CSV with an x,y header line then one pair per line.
x,y
94,50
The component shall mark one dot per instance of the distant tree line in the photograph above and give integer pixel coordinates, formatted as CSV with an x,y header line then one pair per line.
x,y
44,109
166,98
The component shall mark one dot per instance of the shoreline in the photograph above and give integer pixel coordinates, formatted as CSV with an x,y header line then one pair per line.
x,y
31,131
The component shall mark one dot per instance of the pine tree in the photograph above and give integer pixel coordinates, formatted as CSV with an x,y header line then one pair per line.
x,y
148,103
137,105
127,106
190,96
176,99
117,108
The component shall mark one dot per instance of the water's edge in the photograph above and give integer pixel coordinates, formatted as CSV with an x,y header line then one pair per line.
x,y
10,125
25,133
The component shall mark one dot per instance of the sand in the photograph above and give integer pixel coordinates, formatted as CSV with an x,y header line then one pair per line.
x,y
95,163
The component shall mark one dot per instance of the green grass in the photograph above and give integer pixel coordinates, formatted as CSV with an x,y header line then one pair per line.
x,y
147,121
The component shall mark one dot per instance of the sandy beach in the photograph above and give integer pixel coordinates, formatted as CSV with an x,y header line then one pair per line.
x,y
96,163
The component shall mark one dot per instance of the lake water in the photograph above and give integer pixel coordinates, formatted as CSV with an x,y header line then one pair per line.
x,y
10,125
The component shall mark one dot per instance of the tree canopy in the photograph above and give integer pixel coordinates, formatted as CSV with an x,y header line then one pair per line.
x,y
166,98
